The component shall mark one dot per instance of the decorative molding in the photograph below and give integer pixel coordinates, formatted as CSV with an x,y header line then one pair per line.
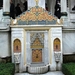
x,y
37,1
37,40
17,57
36,15
57,56
36,55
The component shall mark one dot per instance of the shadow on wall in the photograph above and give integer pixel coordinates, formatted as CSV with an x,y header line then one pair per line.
x,y
1,4
68,58
5,59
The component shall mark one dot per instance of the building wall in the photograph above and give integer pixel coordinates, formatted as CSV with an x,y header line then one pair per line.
x,y
5,44
26,56
68,42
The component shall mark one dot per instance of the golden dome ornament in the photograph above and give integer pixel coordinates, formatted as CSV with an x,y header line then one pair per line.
x,y
37,1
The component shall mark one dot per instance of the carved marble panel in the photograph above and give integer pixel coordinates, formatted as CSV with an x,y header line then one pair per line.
x,y
57,56
17,57
37,55
37,40
37,44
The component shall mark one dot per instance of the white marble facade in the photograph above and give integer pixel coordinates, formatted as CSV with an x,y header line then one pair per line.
x,y
26,52
68,42
5,44
65,34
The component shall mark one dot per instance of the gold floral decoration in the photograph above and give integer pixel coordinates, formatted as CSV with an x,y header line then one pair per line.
x,y
36,13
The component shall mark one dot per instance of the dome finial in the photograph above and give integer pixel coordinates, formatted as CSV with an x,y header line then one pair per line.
x,y
37,1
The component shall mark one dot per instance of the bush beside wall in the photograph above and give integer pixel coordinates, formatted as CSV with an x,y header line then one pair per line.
x,y
68,68
7,69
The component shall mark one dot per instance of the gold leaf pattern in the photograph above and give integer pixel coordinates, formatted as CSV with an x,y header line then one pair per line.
x,y
37,55
36,13
37,44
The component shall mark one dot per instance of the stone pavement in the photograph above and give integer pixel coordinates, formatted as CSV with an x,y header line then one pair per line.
x,y
49,73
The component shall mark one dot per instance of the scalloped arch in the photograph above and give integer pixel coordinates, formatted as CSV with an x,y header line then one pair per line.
x,y
57,44
16,46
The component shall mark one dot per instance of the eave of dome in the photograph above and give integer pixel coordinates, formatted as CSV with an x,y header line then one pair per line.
x,y
36,15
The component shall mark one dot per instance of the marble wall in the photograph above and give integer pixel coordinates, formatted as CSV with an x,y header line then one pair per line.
x,y
68,42
56,32
5,44
17,33
1,12
44,51
6,5
67,39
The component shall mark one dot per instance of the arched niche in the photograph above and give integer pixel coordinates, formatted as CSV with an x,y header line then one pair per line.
x,y
17,46
57,44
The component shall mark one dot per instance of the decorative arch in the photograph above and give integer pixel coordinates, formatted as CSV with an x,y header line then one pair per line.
x,y
57,44
17,46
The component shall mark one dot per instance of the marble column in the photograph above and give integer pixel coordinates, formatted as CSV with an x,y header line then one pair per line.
x,y
46,61
63,5
51,5
72,4
28,49
64,12
32,3
6,7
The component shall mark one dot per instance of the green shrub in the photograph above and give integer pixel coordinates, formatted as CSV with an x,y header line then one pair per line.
x,y
7,69
68,68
